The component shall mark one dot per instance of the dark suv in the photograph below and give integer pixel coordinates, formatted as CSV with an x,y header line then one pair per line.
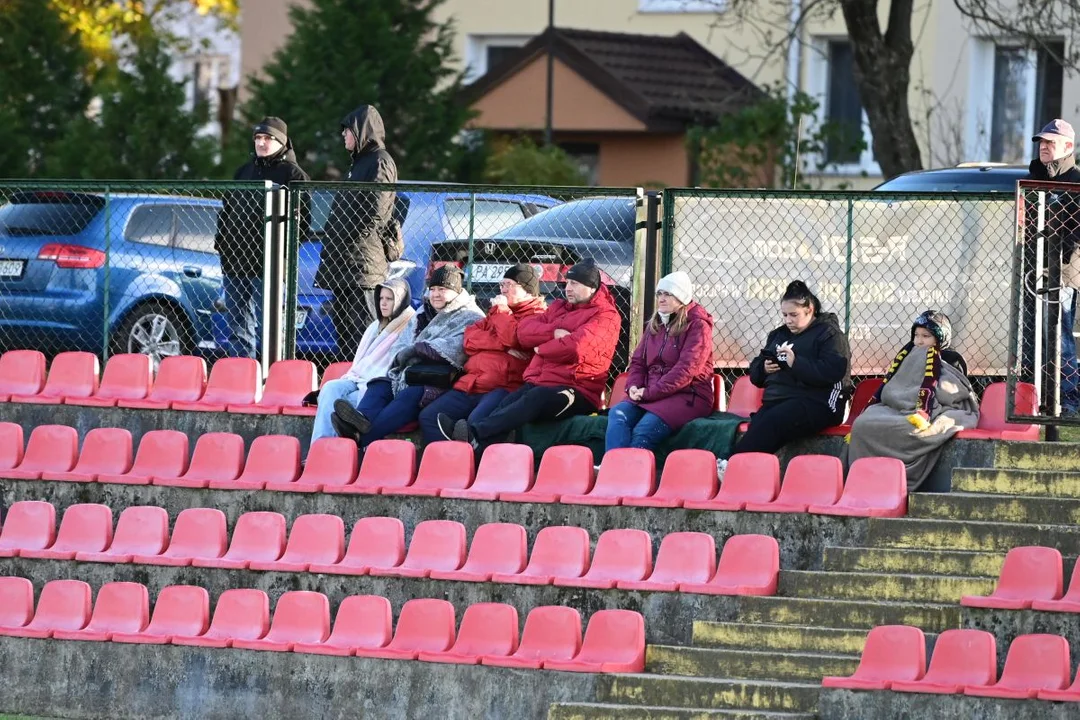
x,y
964,178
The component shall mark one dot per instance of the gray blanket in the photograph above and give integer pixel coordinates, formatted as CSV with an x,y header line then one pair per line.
x,y
883,430
445,334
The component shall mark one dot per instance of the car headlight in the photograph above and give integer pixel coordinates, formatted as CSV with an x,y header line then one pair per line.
x,y
400,268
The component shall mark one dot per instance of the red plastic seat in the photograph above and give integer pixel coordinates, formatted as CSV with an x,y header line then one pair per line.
x,y
287,383
688,475
162,454
892,653
860,400
386,464
233,381
992,423
564,470
63,605
198,533
745,398
504,468
558,552
28,525
961,657
314,539
22,372
120,607
333,372
11,445
301,616
624,473
258,536
16,602
1069,602
1035,663
271,459
1028,574
180,378
376,542
104,451
363,621
684,557
876,487
749,477
241,614
84,527
180,610
719,393
51,448
218,456
551,633
749,565
618,390
446,465
435,545
1070,694
140,530
127,377
809,480
619,555
331,463
496,548
424,625
614,643
487,630
72,374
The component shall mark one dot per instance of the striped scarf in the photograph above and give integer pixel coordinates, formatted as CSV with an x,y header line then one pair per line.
x,y
931,375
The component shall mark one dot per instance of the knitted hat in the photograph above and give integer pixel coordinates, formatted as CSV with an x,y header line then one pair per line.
x,y
677,284
585,272
446,276
525,276
936,322
274,127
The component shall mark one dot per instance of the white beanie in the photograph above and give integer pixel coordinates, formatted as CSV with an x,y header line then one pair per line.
x,y
677,284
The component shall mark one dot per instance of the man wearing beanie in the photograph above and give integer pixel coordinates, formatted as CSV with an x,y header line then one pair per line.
x,y
241,229
574,341
361,236
496,360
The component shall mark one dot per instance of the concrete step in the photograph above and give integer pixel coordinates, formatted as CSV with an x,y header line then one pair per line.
x,y
722,694
599,711
915,562
1005,481
746,664
996,508
1038,456
863,614
923,534
779,638
883,587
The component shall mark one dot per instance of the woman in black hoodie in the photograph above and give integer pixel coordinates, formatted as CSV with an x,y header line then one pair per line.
x,y
805,369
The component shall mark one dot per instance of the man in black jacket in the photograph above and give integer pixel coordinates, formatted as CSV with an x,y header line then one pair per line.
x,y
354,256
241,231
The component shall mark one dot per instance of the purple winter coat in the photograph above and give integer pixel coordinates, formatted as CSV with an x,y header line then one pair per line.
x,y
676,372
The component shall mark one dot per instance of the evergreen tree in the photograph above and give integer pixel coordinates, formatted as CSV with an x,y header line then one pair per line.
x,y
344,53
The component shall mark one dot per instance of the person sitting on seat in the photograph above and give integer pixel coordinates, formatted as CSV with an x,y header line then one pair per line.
x,y
669,382
428,355
496,359
926,399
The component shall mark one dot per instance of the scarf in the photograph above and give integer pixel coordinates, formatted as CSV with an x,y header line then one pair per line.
x,y
928,387
444,333
373,356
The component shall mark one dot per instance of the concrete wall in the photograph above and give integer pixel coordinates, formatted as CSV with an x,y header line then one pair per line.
x,y
849,704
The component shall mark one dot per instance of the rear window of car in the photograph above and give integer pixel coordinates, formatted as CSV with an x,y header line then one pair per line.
x,y
48,213
959,181
320,202
608,219
490,217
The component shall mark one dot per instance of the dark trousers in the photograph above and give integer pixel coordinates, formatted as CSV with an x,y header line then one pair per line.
x,y
351,310
776,424
458,405
530,403
386,411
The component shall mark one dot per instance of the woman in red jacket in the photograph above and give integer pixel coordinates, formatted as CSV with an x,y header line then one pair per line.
x,y
495,361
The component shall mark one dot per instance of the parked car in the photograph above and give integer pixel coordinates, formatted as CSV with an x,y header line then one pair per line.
x,y
967,177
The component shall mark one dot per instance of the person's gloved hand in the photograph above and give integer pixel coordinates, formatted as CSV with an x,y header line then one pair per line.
x,y
404,356
425,351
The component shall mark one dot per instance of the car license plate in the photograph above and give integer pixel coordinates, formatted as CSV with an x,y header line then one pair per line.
x,y
488,272
11,268
301,317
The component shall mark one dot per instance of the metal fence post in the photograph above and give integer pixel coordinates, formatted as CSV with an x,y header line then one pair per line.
x,y
273,278
639,290
292,253
108,278
653,201
848,262
667,228
472,240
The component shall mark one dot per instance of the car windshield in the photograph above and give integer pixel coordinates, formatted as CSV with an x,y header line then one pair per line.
x,y
610,219
30,214
955,181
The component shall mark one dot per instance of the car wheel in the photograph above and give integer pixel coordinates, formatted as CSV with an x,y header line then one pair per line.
x,y
154,329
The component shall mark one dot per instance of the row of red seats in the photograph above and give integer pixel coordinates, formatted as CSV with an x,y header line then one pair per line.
x,y
426,630
875,486
964,661
1031,577
686,561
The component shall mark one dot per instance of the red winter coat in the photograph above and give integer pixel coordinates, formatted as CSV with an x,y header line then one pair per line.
x,y
489,366
580,360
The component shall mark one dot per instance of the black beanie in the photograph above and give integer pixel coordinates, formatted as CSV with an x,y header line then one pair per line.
x,y
585,272
446,276
275,127
525,276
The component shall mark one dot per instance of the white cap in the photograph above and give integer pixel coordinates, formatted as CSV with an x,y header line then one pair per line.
x,y
677,284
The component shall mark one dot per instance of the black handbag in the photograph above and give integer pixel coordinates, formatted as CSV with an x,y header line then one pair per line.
x,y
436,375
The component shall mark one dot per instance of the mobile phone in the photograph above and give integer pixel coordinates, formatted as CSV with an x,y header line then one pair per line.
x,y
770,354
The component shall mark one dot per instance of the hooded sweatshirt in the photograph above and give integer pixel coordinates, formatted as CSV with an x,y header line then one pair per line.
x,y
822,369
352,253
373,356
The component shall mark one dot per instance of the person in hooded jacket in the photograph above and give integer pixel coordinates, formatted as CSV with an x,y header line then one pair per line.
x,y
373,357
496,359
805,368
669,382
358,228
241,229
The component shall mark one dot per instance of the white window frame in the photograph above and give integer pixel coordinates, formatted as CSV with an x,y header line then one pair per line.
x,y
980,115
681,6
476,47
817,77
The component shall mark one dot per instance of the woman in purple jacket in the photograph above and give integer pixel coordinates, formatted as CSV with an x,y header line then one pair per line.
x,y
670,378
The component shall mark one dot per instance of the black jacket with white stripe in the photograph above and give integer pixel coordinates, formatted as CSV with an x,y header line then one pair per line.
x,y
822,368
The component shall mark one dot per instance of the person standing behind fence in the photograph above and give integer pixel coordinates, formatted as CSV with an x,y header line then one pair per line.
x,y
241,229
360,236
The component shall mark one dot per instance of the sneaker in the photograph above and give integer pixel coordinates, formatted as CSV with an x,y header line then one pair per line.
x,y
446,424
460,431
721,467
342,429
351,416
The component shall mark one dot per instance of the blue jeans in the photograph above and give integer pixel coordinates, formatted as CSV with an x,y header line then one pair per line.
x,y
386,411
458,405
243,313
629,425
331,391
